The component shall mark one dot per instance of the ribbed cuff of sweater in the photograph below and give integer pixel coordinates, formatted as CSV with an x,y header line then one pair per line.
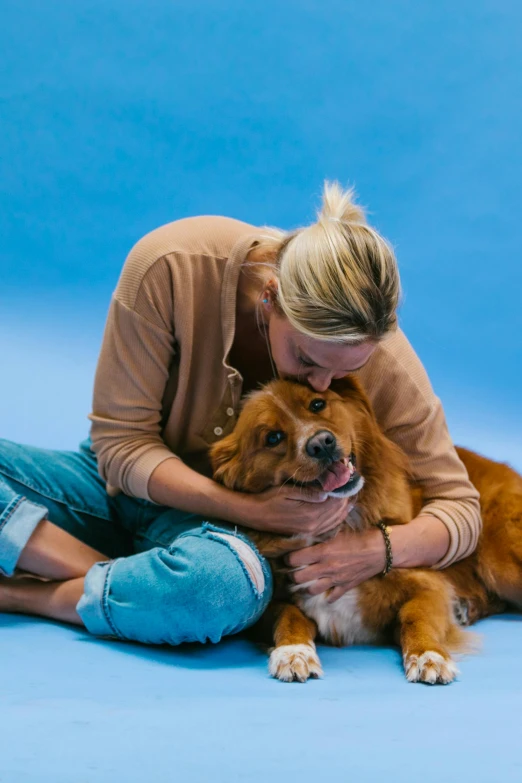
x,y
142,468
463,523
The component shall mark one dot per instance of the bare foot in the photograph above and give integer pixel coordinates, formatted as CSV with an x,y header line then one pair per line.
x,y
29,594
20,573
6,597
10,587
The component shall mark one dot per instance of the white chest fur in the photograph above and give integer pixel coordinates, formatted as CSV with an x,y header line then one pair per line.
x,y
339,622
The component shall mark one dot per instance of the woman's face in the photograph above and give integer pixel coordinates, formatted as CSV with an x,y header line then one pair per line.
x,y
312,361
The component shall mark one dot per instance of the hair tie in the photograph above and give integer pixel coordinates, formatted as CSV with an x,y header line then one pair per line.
x,y
337,220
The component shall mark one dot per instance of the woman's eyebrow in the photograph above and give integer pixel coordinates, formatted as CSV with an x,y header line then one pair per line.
x,y
309,359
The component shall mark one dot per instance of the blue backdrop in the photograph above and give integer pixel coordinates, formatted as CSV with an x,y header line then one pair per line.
x,y
119,115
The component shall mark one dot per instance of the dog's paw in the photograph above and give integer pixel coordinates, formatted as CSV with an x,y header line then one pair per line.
x,y
430,667
291,662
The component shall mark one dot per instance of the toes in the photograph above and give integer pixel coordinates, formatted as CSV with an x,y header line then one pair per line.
x,y
294,662
430,667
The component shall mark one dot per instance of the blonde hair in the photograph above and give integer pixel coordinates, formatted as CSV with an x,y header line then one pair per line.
x,y
338,277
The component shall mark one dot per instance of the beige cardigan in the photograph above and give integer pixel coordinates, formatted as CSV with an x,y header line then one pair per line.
x,y
163,386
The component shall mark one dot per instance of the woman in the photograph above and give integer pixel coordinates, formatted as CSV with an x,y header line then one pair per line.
x,y
133,538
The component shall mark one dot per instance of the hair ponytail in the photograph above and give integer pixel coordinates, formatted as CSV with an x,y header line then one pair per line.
x,y
337,279
338,205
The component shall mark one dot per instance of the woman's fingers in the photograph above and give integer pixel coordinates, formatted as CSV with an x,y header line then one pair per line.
x,y
306,556
337,592
318,586
304,574
305,494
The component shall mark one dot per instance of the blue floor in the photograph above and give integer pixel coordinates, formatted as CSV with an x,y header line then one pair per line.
x,y
75,708
118,116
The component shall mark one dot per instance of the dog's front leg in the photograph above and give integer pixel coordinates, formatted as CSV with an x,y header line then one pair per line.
x,y
294,656
427,633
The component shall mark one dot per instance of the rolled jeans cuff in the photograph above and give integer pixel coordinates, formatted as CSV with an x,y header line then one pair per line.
x,y
17,524
92,606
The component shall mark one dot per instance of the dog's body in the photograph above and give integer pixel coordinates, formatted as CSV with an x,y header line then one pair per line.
x,y
422,609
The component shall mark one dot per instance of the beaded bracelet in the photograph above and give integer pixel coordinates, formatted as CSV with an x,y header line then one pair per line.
x,y
389,557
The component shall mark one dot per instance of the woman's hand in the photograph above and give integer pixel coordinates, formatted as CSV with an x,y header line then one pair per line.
x,y
350,558
342,562
294,511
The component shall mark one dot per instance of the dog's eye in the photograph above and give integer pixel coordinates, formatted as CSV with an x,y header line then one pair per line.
x,y
274,437
317,405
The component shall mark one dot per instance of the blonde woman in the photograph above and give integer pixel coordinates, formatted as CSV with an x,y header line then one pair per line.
x,y
130,536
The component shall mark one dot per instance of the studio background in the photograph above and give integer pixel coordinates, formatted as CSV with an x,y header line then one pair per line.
x,y
118,117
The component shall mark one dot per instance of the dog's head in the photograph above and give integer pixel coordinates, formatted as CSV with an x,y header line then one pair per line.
x,y
289,433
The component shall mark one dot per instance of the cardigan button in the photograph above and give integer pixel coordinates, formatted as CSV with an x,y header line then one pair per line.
x,y
218,431
230,411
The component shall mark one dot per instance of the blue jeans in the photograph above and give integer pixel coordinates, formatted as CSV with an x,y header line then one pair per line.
x,y
173,576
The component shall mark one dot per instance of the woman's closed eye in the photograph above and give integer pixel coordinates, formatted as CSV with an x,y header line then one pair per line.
x,y
304,361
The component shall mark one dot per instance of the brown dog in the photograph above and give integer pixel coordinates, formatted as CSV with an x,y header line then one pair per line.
x,y
287,432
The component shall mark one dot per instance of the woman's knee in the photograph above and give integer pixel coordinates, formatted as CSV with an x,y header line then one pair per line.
x,y
206,585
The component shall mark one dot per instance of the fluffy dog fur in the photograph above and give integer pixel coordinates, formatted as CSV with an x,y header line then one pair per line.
x,y
421,609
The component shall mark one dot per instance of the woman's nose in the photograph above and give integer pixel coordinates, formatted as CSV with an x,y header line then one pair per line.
x,y
320,383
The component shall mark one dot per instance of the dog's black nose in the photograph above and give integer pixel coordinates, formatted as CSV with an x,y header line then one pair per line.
x,y
321,445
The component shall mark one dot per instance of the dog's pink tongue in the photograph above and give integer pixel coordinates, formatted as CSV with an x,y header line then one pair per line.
x,y
334,476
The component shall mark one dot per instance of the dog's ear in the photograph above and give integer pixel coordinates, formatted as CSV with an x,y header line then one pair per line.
x,y
223,457
350,388
382,462
223,451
